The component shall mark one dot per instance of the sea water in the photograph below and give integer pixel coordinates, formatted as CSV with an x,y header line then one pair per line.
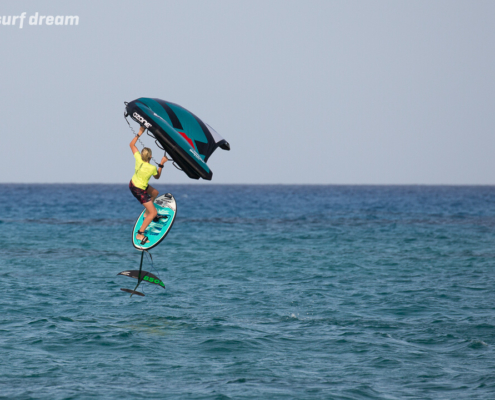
x,y
272,292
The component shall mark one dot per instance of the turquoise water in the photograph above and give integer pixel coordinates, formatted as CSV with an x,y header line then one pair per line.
x,y
272,292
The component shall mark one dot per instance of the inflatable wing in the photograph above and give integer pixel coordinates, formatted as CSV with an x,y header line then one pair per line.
x,y
188,140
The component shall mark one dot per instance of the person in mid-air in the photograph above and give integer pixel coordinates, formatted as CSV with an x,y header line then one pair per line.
x,y
145,193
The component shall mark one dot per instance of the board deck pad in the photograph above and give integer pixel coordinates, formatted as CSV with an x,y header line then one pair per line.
x,y
156,231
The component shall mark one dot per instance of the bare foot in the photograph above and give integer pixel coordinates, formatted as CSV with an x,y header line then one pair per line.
x,y
140,237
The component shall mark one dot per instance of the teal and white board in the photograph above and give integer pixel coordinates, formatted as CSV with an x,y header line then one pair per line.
x,y
156,231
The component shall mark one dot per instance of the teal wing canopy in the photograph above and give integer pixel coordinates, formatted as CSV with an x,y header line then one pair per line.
x,y
189,141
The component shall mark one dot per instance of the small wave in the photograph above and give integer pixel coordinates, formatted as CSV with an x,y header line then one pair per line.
x,y
477,344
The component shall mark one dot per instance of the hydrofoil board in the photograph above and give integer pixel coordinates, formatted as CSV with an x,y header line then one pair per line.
x,y
159,227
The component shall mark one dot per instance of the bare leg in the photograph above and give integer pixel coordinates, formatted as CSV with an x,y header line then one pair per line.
x,y
153,194
151,211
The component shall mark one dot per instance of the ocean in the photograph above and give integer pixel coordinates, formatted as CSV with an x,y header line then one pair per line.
x,y
272,292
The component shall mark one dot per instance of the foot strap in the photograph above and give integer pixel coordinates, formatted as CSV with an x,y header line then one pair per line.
x,y
145,238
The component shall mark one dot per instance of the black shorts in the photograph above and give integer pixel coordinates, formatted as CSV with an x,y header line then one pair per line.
x,y
140,194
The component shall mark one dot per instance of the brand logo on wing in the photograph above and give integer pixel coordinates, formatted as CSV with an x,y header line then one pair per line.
x,y
196,155
142,120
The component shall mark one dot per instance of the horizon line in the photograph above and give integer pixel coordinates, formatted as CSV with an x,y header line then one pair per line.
x,y
255,184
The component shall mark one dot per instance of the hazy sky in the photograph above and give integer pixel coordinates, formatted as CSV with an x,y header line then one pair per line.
x,y
331,92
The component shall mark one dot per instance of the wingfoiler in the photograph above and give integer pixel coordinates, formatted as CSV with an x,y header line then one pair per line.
x,y
190,142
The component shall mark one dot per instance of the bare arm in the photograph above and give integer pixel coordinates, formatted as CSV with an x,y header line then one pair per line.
x,y
164,160
133,141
